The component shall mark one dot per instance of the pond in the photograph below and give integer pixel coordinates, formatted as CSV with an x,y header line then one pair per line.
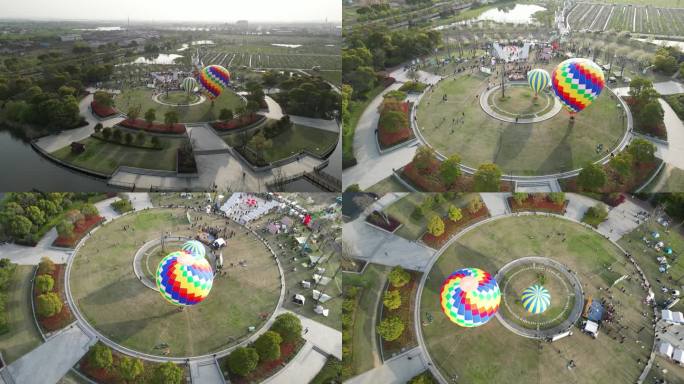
x,y
287,45
26,170
105,29
197,42
162,58
520,14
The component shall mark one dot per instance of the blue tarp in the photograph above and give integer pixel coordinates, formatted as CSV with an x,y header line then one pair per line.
x,y
595,311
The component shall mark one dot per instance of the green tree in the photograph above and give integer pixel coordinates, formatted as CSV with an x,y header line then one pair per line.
x,y
171,117
423,378
167,373
155,142
390,328
36,216
134,112
130,368
150,116
107,133
100,356
455,213
89,210
48,304
642,150
487,178
288,326
252,107
417,213
398,277
98,128
65,228
45,283
226,114
393,121
392,299
260,144
520,197
475,205
557,197
104,99
117,135
140,138
622,164
268,346
20,226
424,158
128,138
450,170
243,360
592,177
435,226
46,265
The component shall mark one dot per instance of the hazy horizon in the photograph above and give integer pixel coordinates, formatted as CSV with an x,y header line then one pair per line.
x,y
277,11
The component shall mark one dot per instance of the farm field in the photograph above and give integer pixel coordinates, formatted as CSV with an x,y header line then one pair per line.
x,y
653,20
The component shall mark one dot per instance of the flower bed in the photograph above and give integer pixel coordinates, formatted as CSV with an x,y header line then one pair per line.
x,y
429,180
154,127
536,204
80,230
640,173
267,369
451,228
658,130
64,317
102,110
407,339
112,375
237,123
376,219
389,139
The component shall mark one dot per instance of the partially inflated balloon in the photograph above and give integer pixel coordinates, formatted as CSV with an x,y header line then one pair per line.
x,y
577,82
214,79
194,248
470,297
189,85
538,79
183,279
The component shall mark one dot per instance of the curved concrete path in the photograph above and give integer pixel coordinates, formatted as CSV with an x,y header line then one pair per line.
x,y
484,104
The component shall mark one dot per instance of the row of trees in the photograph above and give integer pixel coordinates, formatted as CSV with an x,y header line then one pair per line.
x,y
593,177
7,269
643,102
287,328
487,178
132,370
118,135
171,116
392,326
308,96
50,110
48,301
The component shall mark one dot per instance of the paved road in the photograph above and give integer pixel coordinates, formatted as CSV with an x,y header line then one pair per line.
x,y
105,208
52,359
670,87
673,152
399,369
206,373
380,247
23,255
304,367
204,138
621,220
578,205
496,203
54,142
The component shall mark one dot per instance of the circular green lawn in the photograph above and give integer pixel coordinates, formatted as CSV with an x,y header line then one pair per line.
x,y
551,146
202,112
178,98
519,101
493,354
111,298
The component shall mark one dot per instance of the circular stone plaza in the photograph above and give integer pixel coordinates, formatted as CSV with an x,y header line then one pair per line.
x,y
573,266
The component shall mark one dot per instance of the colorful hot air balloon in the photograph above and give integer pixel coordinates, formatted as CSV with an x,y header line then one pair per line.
x,y
183,279
213,79
577,82
470,297
189,85
536,299
194,248
538,79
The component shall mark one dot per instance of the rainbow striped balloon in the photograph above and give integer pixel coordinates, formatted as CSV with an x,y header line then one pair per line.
x,y
470,297
214,79
538,79
536,299
194,248
577,82
183,279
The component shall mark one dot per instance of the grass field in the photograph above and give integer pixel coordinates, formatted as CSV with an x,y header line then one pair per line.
x,y
23,335
387,185
674,181
365,356
657,17
106,157
179,97
118,305
294,140
519,101
646,257
197,113
492,354
524,149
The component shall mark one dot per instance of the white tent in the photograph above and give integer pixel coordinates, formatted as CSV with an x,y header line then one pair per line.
x,y
591,327
218,243
301,240
320,297
678,356
665,349
323,280
678,317
667,315
299,299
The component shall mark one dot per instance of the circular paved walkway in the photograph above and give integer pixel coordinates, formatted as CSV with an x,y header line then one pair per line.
x,y
563,326
484,104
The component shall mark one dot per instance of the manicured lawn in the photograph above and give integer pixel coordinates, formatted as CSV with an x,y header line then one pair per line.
x,y
413,228
23,335
179,97
647,257
519,101
493,354
295,140
104,157
540,148
197,113
365,357
386,185
172,198
673,183
110,296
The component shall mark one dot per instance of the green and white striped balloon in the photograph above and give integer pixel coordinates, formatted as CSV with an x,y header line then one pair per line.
x,y
189,85
538,79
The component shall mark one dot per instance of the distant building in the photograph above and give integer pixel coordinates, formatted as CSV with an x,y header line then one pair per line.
x,y
242,24
65,38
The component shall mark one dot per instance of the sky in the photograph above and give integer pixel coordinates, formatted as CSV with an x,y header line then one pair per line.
x,y
175,10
